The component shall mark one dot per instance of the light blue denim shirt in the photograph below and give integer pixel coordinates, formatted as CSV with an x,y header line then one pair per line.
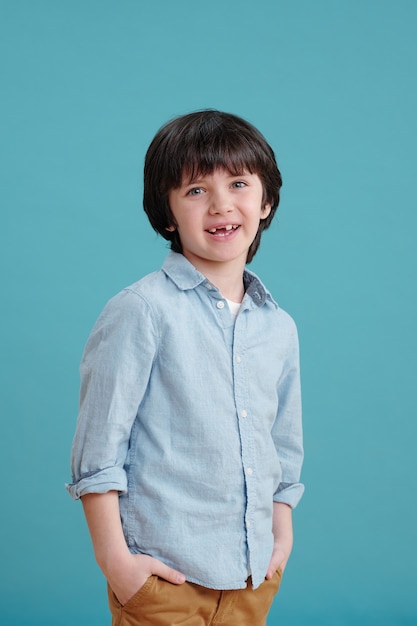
x,y
195,419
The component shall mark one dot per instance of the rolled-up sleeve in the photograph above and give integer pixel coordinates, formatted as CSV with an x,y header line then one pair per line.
x,y
287,429
115,371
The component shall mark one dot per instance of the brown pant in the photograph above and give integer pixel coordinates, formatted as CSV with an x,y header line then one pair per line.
x,y
160,603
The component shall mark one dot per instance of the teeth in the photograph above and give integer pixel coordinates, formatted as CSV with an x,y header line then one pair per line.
x,y
228,227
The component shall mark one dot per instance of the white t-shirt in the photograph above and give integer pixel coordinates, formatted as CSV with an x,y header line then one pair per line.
x,y
234,307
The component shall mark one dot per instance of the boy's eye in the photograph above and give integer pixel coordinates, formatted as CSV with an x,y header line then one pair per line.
x,y
195,191
239,184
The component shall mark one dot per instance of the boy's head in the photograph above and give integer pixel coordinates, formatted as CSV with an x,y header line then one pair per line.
x,y
198,144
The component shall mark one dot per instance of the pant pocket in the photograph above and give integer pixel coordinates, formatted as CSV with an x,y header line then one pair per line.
x,y
275,581
136,599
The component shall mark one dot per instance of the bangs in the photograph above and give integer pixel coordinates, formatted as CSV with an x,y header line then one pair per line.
x,y
212,146
205,160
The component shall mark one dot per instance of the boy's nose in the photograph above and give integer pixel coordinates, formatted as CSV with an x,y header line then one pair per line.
x,y
220,204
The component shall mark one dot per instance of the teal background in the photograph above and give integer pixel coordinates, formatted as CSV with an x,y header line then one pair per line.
x,y
332,85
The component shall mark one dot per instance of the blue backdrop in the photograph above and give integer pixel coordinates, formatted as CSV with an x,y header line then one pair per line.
x,y
332,84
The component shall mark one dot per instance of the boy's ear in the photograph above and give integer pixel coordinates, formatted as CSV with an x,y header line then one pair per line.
x,y
266,210
170,228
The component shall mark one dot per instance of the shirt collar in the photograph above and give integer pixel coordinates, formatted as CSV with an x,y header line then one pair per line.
x,y
182,272
186,276
256,289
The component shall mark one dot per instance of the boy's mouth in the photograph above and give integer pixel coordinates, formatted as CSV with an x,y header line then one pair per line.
x,y
223,230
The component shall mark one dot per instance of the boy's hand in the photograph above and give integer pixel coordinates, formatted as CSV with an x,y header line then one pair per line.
x,y
279,559
126,573
129,575
283,538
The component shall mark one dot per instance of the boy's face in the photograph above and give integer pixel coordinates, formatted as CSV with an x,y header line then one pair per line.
x,y
217,217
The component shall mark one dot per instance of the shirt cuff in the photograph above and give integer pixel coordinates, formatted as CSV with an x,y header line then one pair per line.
x,y
289,493
102,481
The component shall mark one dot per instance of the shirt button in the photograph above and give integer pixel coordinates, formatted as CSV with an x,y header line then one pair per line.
x,y
209,286
220,304
238,359
249,471
243,413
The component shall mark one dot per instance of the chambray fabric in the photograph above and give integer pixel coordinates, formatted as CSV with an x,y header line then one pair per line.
x,y
195,419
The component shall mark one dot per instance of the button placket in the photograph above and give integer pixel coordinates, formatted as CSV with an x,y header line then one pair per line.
x,y
245,426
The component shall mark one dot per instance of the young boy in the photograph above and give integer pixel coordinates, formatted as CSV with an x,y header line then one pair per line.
x,y
188,448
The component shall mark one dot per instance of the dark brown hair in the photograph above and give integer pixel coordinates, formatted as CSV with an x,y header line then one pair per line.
x,y
196,144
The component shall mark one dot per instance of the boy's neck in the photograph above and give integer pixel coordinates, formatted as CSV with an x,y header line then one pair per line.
x,y
231,289
227,277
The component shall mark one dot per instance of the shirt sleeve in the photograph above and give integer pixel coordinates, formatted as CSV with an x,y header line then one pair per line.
x,y
115,371
287,429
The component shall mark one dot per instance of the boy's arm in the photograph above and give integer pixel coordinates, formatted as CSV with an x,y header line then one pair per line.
x,y
287,432
126,573
283,538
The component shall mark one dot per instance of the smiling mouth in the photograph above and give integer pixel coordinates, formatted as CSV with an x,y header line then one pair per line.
x,y
223,230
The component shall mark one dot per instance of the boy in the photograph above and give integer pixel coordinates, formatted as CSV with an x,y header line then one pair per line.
x,y
188,448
